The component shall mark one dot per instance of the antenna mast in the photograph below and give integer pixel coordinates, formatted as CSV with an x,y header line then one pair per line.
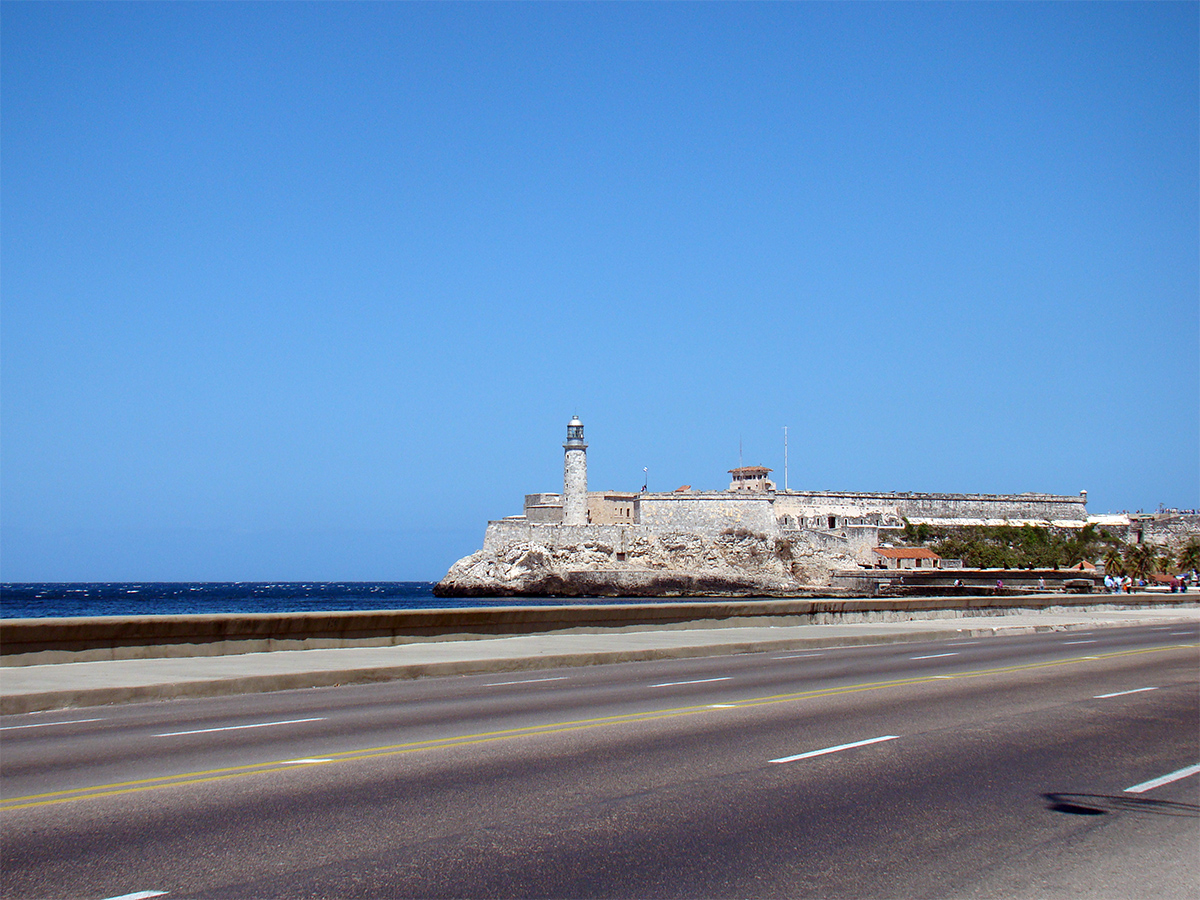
x,y
785,481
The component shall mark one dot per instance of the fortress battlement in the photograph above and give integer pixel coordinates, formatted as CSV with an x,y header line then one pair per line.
x,y
751,533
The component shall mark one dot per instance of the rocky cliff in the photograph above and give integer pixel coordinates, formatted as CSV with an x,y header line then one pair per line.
x,y
648,565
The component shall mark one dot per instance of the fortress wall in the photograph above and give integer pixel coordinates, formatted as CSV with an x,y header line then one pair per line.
x,y
707,513
544,509
858,540
1171,530
1174,532
1044,507
863,540
801,509
507,532
943,507
714,512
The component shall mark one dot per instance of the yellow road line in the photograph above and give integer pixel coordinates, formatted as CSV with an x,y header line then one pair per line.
x,y
222,774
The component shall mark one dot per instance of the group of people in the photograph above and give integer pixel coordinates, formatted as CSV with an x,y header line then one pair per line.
x,y
1118,584
1179,583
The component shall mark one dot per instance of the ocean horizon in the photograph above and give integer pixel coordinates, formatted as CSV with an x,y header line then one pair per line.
x,y
47,600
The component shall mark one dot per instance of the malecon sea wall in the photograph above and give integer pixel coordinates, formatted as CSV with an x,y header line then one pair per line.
x,y
29,642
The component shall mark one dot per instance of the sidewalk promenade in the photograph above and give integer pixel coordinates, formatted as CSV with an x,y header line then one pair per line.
x,y
66,685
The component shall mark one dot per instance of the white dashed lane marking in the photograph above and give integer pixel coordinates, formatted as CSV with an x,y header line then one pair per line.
x,y
933,656
1165,779
47,724
1123,693
240,727
697,681
837,749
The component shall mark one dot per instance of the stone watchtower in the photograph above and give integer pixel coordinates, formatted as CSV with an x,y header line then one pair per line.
x,y
575,496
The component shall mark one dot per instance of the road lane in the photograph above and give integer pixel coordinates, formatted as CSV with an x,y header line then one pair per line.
x,y
623,795
648,777
436,708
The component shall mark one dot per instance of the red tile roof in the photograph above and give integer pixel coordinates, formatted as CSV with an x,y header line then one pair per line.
x,y
906,553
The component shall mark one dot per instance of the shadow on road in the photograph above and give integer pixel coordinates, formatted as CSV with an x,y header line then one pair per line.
x,y
1101,804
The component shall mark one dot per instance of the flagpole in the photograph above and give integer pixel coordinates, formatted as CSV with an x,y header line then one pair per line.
x,y
785,481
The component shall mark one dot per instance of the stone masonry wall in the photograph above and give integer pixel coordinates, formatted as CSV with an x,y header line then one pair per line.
x,y
544,509
713,512
520,558
1054,508
1171,530
509,532
708,513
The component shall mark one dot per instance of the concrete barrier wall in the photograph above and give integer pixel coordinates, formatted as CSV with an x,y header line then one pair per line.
x,y
871,581
48,641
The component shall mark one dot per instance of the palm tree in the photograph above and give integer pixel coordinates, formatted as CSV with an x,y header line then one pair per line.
x,y
1113,564
1141,560
1189,556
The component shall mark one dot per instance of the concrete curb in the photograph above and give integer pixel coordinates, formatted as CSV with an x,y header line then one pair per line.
x,y
41,701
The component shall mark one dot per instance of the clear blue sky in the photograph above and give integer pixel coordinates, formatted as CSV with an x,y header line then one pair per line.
x,y
310,291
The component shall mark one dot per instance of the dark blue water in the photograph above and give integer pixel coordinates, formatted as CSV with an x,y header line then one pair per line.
x,y
36,601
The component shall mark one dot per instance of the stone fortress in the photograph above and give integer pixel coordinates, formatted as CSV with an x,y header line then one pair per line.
x,y
750,538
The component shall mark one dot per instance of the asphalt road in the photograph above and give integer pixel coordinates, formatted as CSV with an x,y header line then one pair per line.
x,y
1048,765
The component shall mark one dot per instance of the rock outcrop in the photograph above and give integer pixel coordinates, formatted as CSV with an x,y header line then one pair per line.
x,y
648,565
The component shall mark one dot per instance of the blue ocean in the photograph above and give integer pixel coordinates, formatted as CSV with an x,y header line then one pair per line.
x,y
35,601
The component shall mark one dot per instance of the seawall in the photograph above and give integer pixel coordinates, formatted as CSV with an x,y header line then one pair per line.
x,y
51,641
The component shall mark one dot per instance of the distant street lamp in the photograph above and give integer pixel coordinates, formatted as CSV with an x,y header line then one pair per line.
x,y
646,481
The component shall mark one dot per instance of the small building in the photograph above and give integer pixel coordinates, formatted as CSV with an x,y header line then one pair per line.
x,y
612,508
751,478
906,558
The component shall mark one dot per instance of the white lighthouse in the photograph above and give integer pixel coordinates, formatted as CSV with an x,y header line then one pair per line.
x,y
575,496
